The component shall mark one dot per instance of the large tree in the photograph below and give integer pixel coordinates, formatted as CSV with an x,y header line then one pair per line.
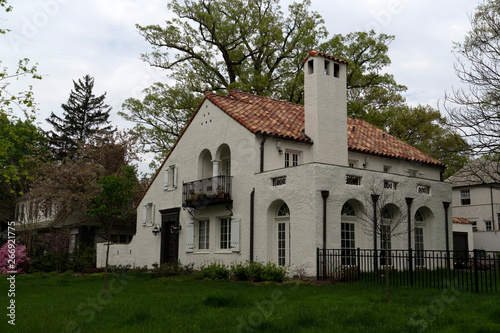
x,y
370,90
84,115
249,45
426,129
475,109
18,135
115,205
160,117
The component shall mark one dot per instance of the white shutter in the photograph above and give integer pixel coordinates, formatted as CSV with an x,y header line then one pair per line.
x,y
165,180
152,214
144,214
190,236
174,180
235,234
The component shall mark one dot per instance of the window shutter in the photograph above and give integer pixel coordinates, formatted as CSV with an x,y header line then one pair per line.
x,y
152,214
174,178
235,234
190,236
165,180
144,214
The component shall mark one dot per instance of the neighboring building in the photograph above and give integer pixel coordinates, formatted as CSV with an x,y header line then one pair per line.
x,y
476,197
462,234
249,179
38,220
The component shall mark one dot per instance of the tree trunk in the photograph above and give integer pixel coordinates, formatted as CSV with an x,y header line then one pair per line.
x,y
106,265
387,273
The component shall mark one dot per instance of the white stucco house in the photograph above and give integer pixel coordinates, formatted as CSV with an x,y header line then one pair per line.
x,y
476,197
253,178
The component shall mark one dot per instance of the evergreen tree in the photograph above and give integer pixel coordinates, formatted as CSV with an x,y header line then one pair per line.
x,y
84,115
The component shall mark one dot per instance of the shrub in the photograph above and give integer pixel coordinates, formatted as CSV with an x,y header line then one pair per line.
x,y
176,269
214,271
239,272
13,253
82,258
258,272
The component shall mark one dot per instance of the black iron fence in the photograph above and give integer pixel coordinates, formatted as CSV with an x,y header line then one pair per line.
x,y
475,271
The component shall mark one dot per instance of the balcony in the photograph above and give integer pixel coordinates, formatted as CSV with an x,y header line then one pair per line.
x,y
207,192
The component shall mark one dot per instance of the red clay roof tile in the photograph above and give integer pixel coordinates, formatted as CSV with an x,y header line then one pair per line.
x,y
461,220
271,117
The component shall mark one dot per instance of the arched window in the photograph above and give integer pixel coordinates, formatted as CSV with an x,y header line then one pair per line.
x,y
283,210
386,213
419,217
347,210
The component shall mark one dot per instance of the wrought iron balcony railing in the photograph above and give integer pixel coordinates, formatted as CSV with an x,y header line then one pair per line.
x,y
207,192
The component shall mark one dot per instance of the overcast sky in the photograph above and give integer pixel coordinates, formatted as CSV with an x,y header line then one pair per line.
x,y
70,38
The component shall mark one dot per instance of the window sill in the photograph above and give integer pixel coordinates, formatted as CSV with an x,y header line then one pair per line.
x,y
223,252
201,252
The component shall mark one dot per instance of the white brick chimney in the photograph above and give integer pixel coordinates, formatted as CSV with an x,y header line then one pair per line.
x,y
325,104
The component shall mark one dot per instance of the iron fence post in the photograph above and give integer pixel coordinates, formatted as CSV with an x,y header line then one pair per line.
x,y
410,258
476,274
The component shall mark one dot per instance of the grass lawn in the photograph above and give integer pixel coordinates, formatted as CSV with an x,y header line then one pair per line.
x,y
139,303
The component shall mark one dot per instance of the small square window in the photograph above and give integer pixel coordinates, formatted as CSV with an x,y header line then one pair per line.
x,y
387,169
390,185
423,189
353,180
412,173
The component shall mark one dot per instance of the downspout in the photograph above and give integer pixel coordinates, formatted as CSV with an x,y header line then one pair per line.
x,y
410,252
408,205
252,207
324,195
262,153
375,250
446,205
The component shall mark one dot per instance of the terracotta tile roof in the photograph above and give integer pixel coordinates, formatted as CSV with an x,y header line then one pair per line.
x,y
271,117
461,220
363,137
314,53
263,115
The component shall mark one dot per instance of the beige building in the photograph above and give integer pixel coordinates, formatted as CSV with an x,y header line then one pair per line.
x,y
476,197
253,178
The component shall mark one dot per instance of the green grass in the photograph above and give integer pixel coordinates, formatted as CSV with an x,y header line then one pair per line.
x,y
139,303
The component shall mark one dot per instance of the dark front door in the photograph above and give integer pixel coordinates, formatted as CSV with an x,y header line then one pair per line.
x,y
169,240
460,249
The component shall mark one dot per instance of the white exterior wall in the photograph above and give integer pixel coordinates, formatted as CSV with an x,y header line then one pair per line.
x,y
323,166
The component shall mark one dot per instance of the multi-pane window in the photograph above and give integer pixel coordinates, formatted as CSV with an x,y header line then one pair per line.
x,y
488,225
291,159
423,189
348,256
474,225
465,197
419,246
203,234
281,243
347,210
225,234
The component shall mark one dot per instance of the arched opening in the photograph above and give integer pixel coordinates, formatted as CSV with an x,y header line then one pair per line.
x,y
223,157
422,219
279,235
389,216
348,234
205,166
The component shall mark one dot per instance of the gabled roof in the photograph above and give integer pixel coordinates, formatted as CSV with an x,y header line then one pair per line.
x,y
478,172
271,117
280,119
